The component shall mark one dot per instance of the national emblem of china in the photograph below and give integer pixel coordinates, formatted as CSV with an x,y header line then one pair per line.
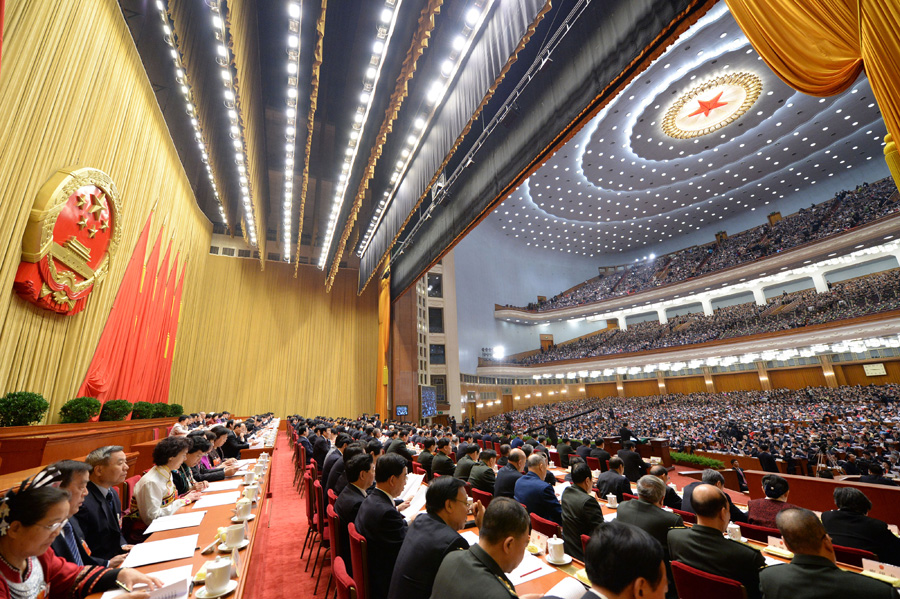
x,y
71,236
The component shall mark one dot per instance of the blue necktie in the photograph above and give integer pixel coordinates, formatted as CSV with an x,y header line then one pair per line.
x,y
112,507
72,544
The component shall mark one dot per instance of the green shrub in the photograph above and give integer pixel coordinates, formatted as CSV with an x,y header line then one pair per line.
x,y
160,410
115,409
695,460
175,410
142,410
79,409
21,408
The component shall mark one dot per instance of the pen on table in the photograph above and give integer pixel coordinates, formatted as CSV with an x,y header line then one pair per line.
x,y
123,587
527,573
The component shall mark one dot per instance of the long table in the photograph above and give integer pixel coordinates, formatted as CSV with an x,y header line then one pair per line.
x,y
217,516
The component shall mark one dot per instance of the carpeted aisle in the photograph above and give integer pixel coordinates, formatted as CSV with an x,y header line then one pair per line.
x,y
276,570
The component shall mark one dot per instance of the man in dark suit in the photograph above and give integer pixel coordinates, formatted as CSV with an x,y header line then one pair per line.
x,y
381,522
850,526
711,477
70,544
600,453
704,547
302,433
360,472
480,572
340,443
505,484
463,446
766,459
742,479
482,475
442,464
564,449
464,463
635,466
536,495
426,456
233,444
625,434
399,447
646,511
584,450
320,444
671,500
613,480
581,513
101,513
876,476
813,572
337,478
431,536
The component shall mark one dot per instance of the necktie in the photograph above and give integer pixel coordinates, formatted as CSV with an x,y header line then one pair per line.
x,y
113,514
72,544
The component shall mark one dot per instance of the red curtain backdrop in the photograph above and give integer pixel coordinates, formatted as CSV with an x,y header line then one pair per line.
x,y
145,360
110,352
168,346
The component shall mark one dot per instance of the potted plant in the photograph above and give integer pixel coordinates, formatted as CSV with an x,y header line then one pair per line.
x,y
21,408
687,459
160,410
175,410
142,410
79,409
115,409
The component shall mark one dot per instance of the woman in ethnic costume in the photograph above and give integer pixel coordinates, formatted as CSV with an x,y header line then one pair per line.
x,y
155,495
30,518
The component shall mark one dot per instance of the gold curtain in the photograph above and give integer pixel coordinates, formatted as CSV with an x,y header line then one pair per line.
x,y
820,48
261,341
73,91
384,340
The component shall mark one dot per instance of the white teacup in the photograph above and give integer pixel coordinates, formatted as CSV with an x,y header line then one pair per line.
x,y
734,531
249,477
243,508
555,549
234,535
264,456
251,492
612,500
259,469
218,573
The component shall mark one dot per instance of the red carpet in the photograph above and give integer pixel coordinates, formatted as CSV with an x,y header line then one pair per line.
x,y
276,570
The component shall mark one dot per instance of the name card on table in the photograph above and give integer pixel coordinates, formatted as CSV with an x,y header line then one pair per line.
x,y
884,572
777,547
539,540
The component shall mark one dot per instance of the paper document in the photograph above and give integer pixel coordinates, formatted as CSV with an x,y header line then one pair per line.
x,y
470,537
223,485
567,588
530,568
166,550
218,499
186,520
413,482
243,463
415,504
175,580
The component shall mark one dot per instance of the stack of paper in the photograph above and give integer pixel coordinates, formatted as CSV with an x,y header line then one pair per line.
x,y
223,485
218,499
530,568
154,552
415,504
175,580
413,482
175,521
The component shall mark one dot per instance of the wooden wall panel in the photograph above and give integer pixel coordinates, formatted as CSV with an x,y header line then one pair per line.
x,y
263,340
641,388
73,91
737,381
600,390
686,384
853,374
797,378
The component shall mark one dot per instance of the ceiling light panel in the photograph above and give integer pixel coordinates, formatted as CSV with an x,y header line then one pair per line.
x,y
290,118
388,13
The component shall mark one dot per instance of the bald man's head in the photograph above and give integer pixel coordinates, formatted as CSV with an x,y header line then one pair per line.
x,y
517,458
802,530
708,501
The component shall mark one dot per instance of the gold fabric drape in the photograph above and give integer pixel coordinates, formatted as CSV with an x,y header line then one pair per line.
x,y
384,339
820,48
263,340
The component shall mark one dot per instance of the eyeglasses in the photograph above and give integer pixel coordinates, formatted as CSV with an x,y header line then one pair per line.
x,y
55,526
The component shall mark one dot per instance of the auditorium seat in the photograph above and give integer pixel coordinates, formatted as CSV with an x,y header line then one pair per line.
x,y
418,469
853,556
322,529
129,492
758,533
335,549
453,456
554,458
346,587
584,542
686,516
497,447
310,514
628,496
359,551
546,527
692,583
482,496
593,463
332,496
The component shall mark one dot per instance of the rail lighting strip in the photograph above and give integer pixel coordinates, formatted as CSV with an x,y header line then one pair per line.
x,y
290,130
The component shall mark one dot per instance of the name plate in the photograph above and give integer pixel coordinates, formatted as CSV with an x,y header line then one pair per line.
x,y
539,540
870,565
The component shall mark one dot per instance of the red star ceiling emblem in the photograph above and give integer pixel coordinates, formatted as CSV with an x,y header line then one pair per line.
x,y
708,106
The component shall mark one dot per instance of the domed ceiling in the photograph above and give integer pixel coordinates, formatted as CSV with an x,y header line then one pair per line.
x,y
705,134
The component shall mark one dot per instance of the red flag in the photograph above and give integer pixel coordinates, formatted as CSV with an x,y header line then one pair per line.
x,y
156,336
169,343
123,383
145,364
107,361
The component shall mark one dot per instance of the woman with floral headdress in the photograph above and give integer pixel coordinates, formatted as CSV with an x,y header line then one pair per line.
x,y
31,517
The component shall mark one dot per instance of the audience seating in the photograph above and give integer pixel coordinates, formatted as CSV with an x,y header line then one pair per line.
x,y
359,551
686,516
482,496
453,456
554,458
546,527
692,583
321,529
593,463
346,587
497,447
418,469
584,542
628,496
758,533
332,496
129,492
333,527
853,556
310,515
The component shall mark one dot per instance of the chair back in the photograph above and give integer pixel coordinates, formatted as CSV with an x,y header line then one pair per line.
x,y
758,533
686,516
480,443
584,542
692,583
359,551
334,525
332,496
418,468
320,506
546,527
497,447
453,456
482,496
853,556
310,500
129,491
628,496
346,586
469,489
554,457
593,463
